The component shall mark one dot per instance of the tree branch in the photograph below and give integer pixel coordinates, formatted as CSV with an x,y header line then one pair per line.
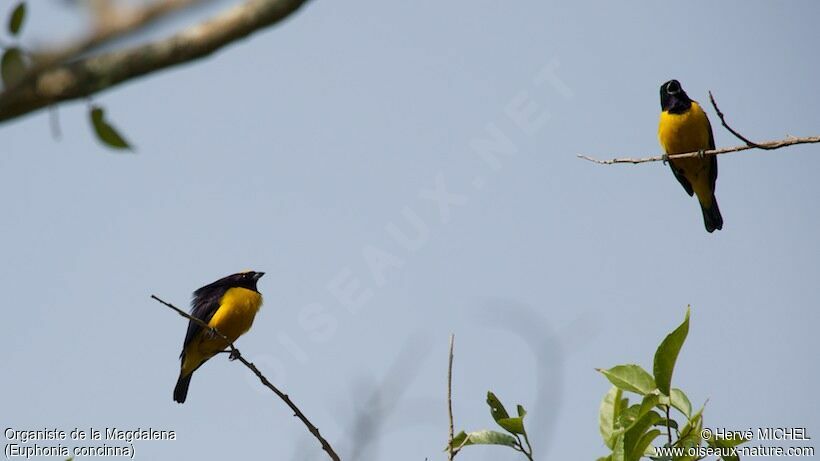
x,y
768,145
737,135
113,22
235,354
65,82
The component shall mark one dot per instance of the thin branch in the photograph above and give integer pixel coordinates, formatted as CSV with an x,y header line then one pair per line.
x,y
737,135
768,145
668,426
91,75
452,452
529,447
235,354
518,446
111,23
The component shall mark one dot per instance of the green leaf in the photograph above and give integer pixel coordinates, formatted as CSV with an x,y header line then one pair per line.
x,y
105,132
667,355
483,438
17,17
630,378
618,449
733,442
667,423
623,405
512,425
644,446
608,414
12,66
521,411
690,435
605,458
497,409
634,433
458,440
649,402
681,402
491,438
628,416
694,423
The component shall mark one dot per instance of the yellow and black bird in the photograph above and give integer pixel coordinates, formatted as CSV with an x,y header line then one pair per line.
x,y
229,305
683,128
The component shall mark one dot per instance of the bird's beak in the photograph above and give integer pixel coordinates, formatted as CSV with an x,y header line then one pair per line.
x,y
258,275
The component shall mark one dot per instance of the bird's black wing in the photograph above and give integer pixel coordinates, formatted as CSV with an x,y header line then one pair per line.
x,y
682,179
203,306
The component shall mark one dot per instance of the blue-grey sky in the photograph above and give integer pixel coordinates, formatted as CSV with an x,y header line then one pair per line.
x,y
310,149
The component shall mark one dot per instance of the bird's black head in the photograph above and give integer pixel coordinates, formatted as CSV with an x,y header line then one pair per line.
x,y
673,99
246,279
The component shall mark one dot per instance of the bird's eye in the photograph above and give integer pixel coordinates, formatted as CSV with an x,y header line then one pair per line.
x,y
673,87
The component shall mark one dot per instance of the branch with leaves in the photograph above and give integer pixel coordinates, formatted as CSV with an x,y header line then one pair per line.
x,y
513,425
33,80
110,21
630,430
768,145
236,355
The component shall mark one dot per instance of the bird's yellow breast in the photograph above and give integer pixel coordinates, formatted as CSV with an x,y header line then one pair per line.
x,y
237,309
236,312
686,132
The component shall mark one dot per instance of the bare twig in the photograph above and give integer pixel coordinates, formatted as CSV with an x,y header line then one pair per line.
x,y
450,450
529,447
737,135
235,354
768,145
86,76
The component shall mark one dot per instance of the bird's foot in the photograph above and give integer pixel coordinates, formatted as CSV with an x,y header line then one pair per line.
x,y
665,158
234,354
701,154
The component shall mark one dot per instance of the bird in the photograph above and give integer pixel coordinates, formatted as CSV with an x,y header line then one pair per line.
x,y
229,305
684,127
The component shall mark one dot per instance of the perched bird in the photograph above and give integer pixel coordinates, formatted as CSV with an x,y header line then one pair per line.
x,y
229,305
683,128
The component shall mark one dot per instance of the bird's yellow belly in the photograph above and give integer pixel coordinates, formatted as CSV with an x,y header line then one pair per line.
x,y
689,132
236,312
234,317
682,133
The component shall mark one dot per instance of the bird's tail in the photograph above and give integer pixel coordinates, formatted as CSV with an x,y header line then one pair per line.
x,y
711,216
181,389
